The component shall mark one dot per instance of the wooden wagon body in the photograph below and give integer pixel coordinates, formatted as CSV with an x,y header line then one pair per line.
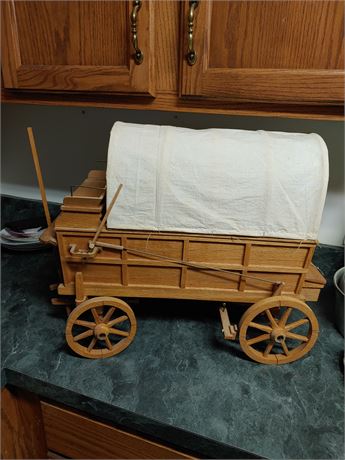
x,y
271,273
156,272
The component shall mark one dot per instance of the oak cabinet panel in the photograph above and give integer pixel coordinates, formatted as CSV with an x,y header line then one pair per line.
x,y
74,435
261,57
76,46
268,51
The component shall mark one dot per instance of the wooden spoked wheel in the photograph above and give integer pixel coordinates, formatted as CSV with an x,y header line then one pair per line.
x,y
100,327
272,335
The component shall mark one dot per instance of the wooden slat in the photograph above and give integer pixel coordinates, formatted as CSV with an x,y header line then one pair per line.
x,y
184,270
192,237
314,277
310,294
83,208
77,436
170,102
307,263
167,292
84,228
68,221
124,262
81,201
97,174
99,260
246,258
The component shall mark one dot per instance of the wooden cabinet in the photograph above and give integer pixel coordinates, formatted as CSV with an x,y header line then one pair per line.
x,y
267,51
76,46
73,435
31,428
283,58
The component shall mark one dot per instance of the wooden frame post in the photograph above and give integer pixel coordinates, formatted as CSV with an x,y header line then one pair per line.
x,y
22,431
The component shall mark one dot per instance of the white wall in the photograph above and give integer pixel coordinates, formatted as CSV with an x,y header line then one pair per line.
x,y
70,140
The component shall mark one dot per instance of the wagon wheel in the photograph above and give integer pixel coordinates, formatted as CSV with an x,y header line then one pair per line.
x,y
272,337
95,335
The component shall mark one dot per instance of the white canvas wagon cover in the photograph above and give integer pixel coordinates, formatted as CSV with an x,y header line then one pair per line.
x,y
217,181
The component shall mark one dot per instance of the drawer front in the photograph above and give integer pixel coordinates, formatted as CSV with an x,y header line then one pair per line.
x,y
76,436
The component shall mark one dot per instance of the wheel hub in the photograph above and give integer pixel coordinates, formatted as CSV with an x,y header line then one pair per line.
x,y
278,335
101,331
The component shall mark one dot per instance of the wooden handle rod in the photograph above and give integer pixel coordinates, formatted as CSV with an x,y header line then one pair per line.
x,y
39,175
101,225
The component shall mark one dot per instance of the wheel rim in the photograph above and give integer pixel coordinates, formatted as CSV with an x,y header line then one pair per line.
x,y
278,330
100,327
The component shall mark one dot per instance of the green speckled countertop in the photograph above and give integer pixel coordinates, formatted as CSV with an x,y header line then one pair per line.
x,y
179,382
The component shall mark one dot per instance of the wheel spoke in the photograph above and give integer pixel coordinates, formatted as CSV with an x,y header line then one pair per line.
x,y
290,326
107,316
95,315
268,349
118,320
92,344
291,335
271,319
83,335
258,339
118,332
285,317
261,327
88,324
108,343
284,347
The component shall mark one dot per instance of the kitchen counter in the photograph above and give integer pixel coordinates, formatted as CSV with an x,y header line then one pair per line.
x,y
179,382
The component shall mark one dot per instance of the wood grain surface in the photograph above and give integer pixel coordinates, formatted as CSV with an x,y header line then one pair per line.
x,y
170,102
76,46
22,434
306,82
77,436
269,51
184,266
277,35
72,33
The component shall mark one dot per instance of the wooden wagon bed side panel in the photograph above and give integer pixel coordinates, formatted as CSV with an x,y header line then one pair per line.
x,y
146,276
172,248
215,252
314,277
164,292
275,255
218,280
126,273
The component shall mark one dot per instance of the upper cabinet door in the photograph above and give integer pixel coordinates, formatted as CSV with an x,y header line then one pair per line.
x,y
77,46
265,51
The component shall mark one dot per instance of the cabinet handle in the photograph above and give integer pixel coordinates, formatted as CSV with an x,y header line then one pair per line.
x,y
191,55
138,55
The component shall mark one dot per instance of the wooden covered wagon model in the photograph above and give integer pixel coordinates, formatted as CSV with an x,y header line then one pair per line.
x,y
218,215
